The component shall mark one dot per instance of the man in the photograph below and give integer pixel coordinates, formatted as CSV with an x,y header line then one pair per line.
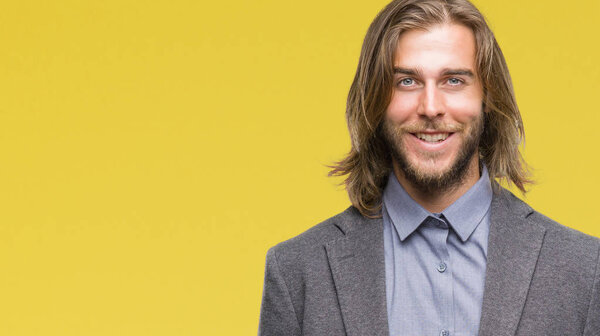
x,y
432,244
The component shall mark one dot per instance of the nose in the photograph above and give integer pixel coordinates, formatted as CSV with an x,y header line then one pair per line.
x,y
431,102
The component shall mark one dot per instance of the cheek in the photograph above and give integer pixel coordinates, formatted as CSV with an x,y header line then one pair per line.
x,y
401,108
465,110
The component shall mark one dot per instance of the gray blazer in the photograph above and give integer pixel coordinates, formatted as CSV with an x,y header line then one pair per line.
x,y
542,278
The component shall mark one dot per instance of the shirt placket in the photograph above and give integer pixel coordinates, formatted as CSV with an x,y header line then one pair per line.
x,y
444,277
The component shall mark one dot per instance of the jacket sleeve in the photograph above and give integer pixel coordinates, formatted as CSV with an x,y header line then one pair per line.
x,y
277,315
592,325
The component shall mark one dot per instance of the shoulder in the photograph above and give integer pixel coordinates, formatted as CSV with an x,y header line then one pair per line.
x,y
567,235
569,249
302,261
301,271
319,234
562,239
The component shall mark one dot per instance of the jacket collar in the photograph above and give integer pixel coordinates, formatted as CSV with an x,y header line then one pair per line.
x,y
514,244
358,268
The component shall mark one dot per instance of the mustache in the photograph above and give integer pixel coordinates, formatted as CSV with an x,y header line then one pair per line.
x,y
431,126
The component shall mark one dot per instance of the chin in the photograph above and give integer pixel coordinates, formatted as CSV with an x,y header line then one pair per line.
x,y
433,175
430,174
433,167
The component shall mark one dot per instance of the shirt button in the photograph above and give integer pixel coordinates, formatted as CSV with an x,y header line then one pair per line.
x,y
441,267
444,332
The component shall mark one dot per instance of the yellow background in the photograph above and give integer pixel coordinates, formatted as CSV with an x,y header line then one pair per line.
x,y
152,151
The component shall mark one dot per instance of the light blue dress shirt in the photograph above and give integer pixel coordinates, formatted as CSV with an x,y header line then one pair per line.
x,y
435,263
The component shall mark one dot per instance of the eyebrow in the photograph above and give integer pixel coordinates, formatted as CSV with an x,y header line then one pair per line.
x,y
458,72
404,71
445,72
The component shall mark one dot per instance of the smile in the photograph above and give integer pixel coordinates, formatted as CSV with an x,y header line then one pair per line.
x,y
432,137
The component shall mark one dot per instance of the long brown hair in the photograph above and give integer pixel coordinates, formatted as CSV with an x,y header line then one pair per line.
x,y
368,163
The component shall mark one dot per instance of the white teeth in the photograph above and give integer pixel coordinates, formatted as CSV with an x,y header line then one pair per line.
x,y
432,137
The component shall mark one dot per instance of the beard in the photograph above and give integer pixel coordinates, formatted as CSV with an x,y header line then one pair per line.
x,y
419,177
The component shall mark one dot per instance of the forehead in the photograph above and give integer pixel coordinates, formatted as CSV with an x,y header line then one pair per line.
x,y
440,46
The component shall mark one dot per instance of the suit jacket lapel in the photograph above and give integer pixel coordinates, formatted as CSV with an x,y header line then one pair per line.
x,y
513,248
358,267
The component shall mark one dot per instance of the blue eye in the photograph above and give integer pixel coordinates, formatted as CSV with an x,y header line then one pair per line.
x,y
454,81
407,82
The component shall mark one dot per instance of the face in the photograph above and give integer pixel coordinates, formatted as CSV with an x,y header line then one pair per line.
x,y
434,120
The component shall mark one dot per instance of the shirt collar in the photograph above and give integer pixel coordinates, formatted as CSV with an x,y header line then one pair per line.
x,y
463,215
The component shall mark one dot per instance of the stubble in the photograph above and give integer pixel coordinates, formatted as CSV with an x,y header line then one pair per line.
x,y
425,181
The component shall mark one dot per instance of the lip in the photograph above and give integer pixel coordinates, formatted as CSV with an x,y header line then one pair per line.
x,y
428,146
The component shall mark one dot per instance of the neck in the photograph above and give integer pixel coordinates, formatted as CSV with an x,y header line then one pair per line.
x,y
438,200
